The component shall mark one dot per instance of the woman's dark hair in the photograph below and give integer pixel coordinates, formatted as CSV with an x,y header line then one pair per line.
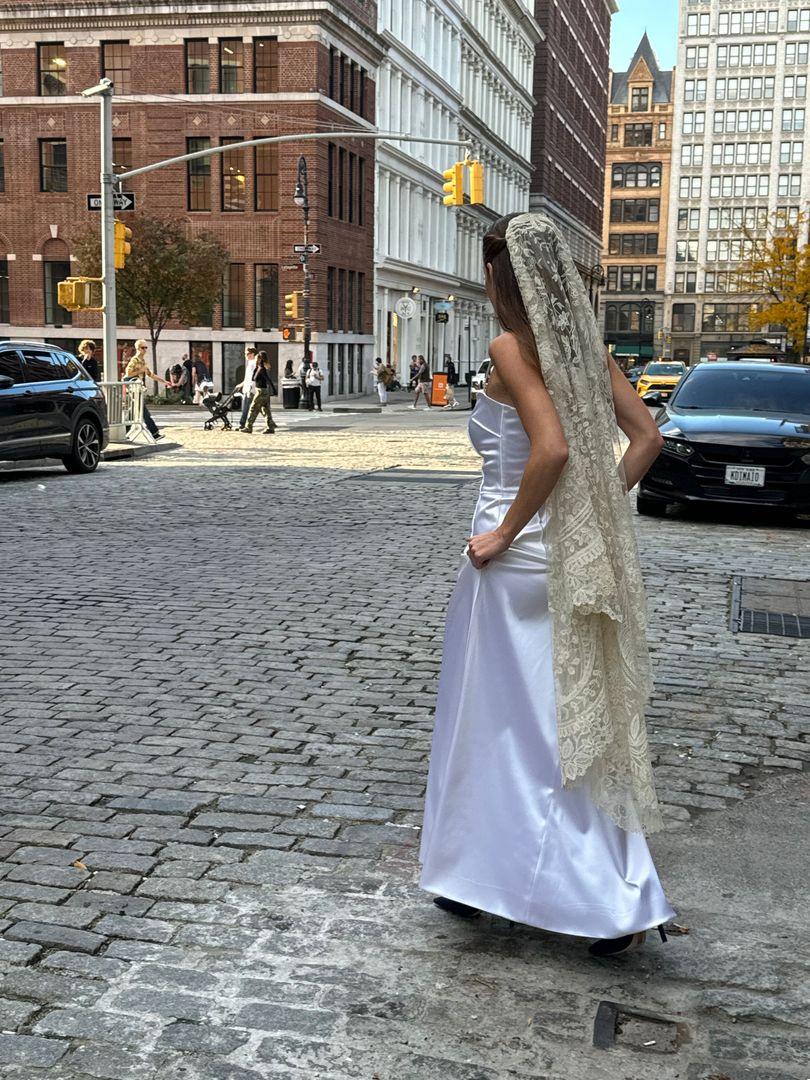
x,y
261,358
504,291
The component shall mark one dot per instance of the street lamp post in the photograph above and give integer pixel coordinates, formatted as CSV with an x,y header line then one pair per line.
x,y
301,198
647,314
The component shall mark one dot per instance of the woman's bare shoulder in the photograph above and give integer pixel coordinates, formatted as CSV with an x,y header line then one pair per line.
x,y
504,345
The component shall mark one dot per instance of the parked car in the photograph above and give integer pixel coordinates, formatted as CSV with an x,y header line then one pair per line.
x,y
735,433
49,407
661,377
634,373
479,381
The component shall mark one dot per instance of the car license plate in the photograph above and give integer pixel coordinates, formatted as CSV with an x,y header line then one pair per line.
x,y
745,475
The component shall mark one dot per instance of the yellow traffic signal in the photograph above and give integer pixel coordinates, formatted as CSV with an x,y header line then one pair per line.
x,y
454,185
122,246
76,294
476,182
291,305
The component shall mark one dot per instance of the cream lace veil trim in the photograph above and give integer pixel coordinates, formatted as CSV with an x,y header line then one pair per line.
x,y
596,594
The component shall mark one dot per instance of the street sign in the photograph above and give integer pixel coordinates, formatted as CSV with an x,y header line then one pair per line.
x,y
307,249
122,200
442,316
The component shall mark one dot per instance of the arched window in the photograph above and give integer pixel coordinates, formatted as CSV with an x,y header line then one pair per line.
x,y
56,267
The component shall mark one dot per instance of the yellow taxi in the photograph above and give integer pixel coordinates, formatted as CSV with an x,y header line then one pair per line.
x,y
660,377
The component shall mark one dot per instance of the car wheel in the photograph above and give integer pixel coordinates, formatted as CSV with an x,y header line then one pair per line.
x,y
650,507
86,452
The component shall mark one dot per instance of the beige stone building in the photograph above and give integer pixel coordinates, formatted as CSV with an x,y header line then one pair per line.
x,y
637,183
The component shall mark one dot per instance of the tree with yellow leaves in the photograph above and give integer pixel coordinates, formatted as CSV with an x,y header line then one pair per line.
x,y
775,271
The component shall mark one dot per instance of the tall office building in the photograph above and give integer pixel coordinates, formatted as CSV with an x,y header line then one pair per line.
x,y
568,138
738,158
637,183
452,69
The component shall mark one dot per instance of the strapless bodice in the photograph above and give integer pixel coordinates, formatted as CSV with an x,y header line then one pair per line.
x,y
499,437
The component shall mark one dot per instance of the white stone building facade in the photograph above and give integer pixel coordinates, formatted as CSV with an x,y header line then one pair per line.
x,y
454,69
738,156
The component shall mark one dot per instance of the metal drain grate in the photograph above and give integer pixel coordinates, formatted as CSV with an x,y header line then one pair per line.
x,y
778,607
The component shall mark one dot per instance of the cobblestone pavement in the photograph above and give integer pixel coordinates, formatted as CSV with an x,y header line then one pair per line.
x,y
218,668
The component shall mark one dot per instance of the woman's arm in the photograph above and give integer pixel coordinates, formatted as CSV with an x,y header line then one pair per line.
x,y
548,454
634,418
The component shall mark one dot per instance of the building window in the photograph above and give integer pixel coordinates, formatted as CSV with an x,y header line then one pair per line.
x,y
53,165
614,132
267,312
686,281
53,68
266,190
697,25
2,166
330,298
662,132
233,296
628,318
361,288
798,19
350,202
341,184
361,191
198,60
638,134
683,318
634,210
637,176
633,244
265,66
361,93
116,65
54,273
5,315
640,99
233,177
725,318
330,180
231,66
122,155
199,175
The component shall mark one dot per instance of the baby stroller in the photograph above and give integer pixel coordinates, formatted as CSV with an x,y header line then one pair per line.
x,y
219,407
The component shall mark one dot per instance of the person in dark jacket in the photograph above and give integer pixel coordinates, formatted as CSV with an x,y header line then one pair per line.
x,y
263,391
450,368
87,354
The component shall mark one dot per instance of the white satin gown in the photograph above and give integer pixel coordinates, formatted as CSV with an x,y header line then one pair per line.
x,y
500,832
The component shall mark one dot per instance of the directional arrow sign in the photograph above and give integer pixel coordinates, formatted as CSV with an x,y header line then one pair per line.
x,y
307,249
122,200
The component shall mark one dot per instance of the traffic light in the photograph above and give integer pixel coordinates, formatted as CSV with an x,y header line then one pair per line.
x,y
73,294
288,333
454,185
476,182
122,246
291,305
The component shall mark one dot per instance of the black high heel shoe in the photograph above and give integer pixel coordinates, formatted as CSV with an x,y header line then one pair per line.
x,y
454,907
621,945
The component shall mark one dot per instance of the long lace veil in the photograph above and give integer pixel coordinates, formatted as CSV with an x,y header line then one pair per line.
x,y
596,594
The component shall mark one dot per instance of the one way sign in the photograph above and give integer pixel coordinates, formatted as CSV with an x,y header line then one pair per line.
x,y
122,200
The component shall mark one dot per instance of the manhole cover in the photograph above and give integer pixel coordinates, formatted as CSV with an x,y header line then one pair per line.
x,y
776,606
636,1029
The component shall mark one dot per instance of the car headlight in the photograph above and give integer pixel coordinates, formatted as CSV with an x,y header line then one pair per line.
x,y
678,446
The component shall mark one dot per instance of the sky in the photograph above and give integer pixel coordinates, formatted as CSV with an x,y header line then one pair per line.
x,y
658,17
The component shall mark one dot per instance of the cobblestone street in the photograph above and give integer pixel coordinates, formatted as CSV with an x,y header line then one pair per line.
x,y
219,666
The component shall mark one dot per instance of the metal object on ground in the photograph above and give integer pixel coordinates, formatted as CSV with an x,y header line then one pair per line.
x,y
774,606
637,1029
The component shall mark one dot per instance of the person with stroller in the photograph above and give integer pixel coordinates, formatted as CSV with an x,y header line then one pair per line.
x,y
245,387
314,380
264,390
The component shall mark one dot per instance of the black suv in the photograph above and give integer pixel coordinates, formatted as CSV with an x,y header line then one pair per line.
x,y
49,407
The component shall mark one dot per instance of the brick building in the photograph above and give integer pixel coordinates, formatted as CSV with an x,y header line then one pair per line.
x,y
637,192
568,138
181,86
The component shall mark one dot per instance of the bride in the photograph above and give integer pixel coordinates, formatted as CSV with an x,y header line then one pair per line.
x,y
540,786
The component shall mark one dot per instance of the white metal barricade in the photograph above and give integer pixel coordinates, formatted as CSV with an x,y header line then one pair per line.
x,y
134,393
114,396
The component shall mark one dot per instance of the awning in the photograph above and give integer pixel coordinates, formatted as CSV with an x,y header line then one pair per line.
x,y
623,349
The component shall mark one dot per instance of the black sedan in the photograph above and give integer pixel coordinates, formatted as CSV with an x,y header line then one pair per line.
x,y
734,434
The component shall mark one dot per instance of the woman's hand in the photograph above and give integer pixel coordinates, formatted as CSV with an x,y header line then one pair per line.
x,y
485,547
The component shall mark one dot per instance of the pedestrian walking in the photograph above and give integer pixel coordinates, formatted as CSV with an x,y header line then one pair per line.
x,y
540,787
87,355
202,379
314,381
413,371
422,383
450,368
245,387
301,375
264,389
188,386
138,369
380,376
